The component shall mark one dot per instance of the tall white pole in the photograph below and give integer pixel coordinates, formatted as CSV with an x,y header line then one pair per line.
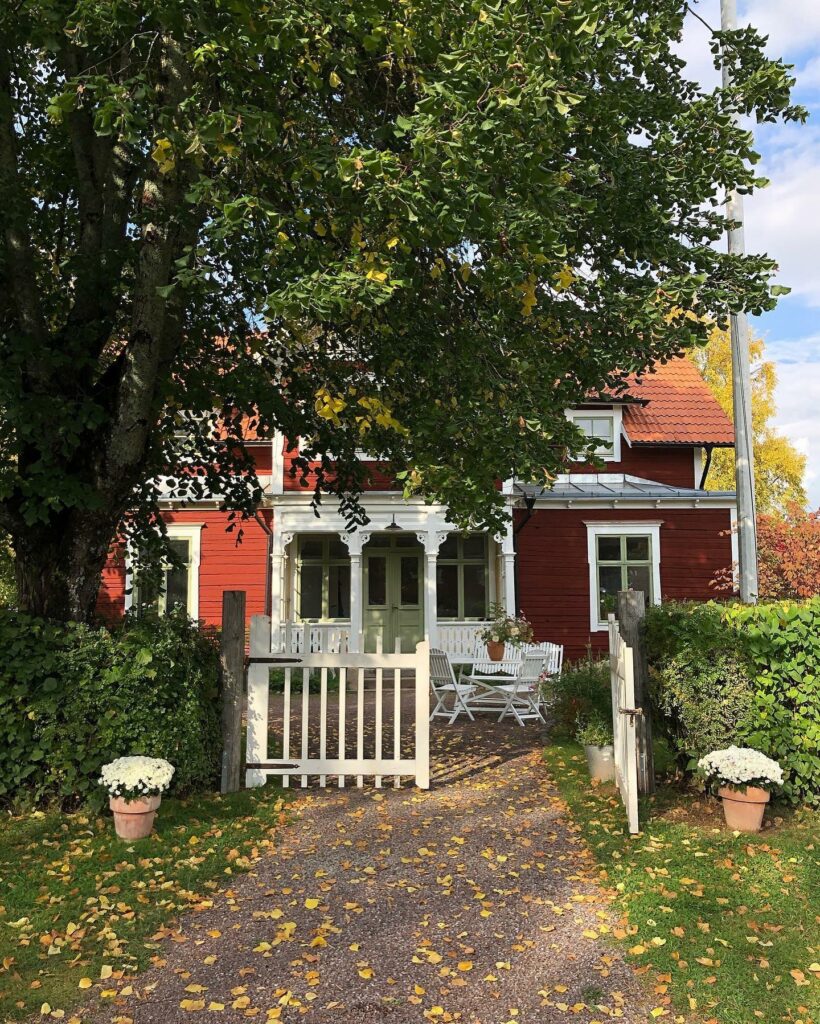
x,y
741,386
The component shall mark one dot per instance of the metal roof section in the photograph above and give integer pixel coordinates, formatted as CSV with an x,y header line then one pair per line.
x,y
618,488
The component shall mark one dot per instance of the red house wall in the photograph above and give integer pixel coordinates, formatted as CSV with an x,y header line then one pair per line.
x,y
224,565
553,570
378,480
673,466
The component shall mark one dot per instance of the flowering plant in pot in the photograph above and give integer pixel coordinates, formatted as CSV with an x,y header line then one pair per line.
x,y
135,786
594,732
744,779
505,629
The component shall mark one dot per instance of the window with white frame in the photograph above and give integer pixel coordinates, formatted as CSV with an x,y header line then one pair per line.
x,y
621,557
177,585
322,577
605,428
462,577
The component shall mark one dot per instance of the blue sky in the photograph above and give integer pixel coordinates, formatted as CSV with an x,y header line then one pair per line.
x,y
784,219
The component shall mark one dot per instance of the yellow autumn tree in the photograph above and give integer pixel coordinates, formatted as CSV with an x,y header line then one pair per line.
x,y
779,466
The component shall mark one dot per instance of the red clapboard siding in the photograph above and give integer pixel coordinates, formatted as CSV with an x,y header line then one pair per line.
x,y
673,466
553,573
224,565
378,479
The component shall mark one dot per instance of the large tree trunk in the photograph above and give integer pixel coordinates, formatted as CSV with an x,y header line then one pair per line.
x,y
58,566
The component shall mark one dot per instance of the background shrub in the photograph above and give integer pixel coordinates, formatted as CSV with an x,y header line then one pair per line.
x,y
73,697
582,690
742,674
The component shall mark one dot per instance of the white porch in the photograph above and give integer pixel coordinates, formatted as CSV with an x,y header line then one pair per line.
x,y
407,575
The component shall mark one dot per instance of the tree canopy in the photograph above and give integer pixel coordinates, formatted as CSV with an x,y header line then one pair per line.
x,y
425,227
779,467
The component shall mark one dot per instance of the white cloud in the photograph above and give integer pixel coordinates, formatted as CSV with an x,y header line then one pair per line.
x,y
798,402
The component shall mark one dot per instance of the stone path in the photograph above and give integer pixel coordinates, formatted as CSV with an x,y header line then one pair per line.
x,y
473,902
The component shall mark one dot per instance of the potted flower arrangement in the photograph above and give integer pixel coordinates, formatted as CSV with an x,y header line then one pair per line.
x,y
595,734
744,779
505,629
135,786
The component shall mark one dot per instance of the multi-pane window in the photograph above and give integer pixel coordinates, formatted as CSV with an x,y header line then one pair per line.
x,y
602,428
323,578
623,562
462,583
174,587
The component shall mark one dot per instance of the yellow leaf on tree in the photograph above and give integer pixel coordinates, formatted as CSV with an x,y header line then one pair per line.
x,y
163,156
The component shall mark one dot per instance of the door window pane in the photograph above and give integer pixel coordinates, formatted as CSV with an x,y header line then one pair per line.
x,y
637,549
337,548
609,549
409,580
377,580
311,547
447,591
338,597
310,598
474,545
637,577
609,583
475,592
406,540
449,548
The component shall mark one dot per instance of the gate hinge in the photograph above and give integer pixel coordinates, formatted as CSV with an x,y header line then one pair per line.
x,y
632,712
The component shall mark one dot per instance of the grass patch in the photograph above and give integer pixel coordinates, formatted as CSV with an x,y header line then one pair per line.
x,y
725,926
75,901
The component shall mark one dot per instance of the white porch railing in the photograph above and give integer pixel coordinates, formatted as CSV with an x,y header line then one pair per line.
x,y
458,639
312,637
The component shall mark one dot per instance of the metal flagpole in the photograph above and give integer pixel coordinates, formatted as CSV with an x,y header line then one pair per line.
x,y
741,385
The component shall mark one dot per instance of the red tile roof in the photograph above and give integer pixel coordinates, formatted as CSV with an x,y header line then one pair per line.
x,y
679,408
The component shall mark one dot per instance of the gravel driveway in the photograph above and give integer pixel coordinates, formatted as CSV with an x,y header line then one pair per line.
x,y
472,902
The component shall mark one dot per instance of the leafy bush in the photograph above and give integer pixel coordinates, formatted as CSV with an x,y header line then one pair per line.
x,y
582,690
595,730
724,674
73,697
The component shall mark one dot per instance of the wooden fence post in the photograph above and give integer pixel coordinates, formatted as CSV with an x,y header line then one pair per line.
x,y
233,674
631,615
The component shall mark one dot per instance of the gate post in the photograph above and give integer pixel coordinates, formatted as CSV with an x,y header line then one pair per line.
x,y
631,615
258,692
232,658
422,682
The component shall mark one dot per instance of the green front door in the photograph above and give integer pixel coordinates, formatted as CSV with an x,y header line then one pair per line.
x,y
393,584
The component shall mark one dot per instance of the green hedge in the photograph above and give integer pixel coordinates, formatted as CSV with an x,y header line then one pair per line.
x,y
741,674
583,690
73,697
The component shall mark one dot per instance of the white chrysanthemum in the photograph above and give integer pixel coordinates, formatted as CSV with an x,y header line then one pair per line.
x,y
136,775
741,766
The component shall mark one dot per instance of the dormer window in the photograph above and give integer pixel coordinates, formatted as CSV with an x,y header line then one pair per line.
x,y
604,428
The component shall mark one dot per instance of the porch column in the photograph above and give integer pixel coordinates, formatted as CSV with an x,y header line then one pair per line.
x,y
508,569
432,541
277,585
355,542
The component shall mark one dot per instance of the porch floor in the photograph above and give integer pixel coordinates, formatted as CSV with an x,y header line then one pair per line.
x,y
468,902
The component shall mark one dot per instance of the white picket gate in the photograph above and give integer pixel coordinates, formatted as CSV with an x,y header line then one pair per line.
x,y
353,726
624,713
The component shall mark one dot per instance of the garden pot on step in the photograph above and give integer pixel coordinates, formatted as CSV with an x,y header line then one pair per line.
x,y
134,819
743,809
601,762
495,650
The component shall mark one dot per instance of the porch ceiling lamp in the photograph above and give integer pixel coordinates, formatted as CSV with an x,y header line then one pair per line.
x,y
394,525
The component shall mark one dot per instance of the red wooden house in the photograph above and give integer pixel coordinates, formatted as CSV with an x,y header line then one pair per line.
x,y
646,521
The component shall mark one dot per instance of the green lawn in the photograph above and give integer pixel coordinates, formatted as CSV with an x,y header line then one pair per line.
x,y
724,927
76,902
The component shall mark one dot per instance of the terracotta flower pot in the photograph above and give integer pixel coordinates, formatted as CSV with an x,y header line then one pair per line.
x,y
601,762
134,819
495,649
743,810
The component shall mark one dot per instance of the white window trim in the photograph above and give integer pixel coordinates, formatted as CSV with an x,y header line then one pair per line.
x,y
617,428
616,529
176,531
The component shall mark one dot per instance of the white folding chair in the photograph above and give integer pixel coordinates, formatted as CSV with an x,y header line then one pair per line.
x,y
443,684
524,695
